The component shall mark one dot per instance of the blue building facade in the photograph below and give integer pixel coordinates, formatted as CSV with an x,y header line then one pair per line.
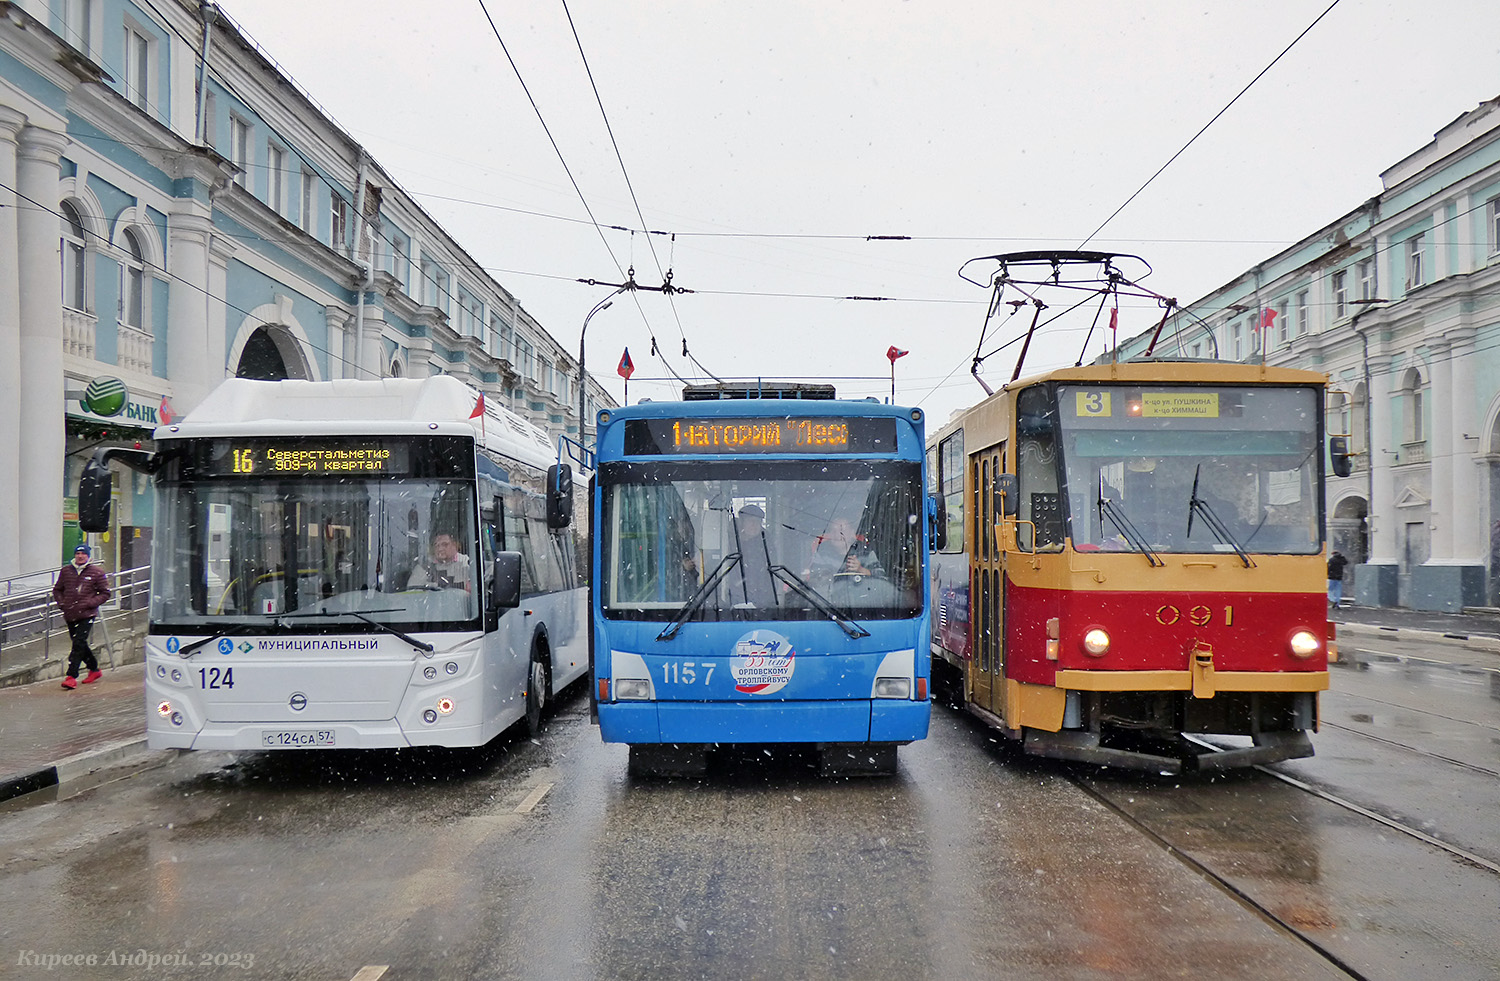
x,y
175,211
1398,301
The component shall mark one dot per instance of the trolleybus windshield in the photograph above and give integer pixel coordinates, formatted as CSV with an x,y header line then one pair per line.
x,y
302,533
788,540
1191,468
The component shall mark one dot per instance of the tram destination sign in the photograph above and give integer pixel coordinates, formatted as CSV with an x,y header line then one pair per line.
x,y
300,456
817,435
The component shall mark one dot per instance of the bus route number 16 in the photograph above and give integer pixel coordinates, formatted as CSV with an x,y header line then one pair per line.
x,y
685,672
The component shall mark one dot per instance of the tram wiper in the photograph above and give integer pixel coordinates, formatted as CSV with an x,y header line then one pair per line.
x,y
1197,505
1116,514
701,596
819,601
422,646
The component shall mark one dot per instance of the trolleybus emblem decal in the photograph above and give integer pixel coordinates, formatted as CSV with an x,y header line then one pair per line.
x,y
762,663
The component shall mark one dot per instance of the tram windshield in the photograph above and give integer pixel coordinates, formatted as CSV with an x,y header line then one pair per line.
x,y
313,553
1182,468
763,541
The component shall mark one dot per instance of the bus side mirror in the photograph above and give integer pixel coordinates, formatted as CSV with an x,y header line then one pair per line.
x,y
559,495
505,588
1007,495
937,523
95,489
1338,455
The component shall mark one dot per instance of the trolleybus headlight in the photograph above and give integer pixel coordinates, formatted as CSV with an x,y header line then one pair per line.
x,y
445,706
1096,642
632,688
893,688
429,672
1304,644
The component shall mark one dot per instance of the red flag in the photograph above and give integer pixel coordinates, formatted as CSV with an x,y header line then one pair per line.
x,y
478,408
1114,320
627,366
1267,318
893,352
164,413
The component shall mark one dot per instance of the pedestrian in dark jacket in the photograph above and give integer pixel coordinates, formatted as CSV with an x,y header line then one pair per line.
x,y
80,590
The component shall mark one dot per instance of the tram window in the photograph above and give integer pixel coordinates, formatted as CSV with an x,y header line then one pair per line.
x,y
985,523
1036,471
950,476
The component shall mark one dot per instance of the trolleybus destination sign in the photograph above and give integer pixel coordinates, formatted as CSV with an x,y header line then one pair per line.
x,y
817,434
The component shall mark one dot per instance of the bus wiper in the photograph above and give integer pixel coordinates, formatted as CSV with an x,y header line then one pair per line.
x,y
186,650
819,601
422,646
701,596
1197,505
1116,514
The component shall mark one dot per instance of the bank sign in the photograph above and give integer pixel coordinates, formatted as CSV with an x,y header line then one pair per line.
x,y
107,399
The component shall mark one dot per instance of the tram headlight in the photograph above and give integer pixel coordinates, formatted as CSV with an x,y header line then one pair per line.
x,y
1096,642
893,688
1304,644
632,689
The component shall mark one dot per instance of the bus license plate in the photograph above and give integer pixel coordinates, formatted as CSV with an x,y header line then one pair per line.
x,y
301,739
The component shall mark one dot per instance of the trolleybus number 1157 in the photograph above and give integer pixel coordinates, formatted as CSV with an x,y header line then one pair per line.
x,y
685,672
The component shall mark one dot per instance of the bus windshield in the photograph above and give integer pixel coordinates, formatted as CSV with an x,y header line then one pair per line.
x,y
1165,468
761,541
308,553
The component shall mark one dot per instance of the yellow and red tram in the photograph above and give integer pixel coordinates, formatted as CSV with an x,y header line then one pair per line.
x,y
1134,556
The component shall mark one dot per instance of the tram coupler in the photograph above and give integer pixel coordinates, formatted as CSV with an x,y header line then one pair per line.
x,y
1201,663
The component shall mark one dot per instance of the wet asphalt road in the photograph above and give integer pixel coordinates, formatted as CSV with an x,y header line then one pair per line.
x,y
545,860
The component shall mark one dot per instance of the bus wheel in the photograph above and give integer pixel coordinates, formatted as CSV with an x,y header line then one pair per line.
x,y
536,698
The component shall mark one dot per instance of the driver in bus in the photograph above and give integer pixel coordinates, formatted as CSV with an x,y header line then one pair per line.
x,y
447,567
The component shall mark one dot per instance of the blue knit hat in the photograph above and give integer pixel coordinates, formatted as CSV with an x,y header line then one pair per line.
x,y
84,549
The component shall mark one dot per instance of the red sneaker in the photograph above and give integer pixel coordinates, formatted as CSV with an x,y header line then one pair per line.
x,y
92,677
70,683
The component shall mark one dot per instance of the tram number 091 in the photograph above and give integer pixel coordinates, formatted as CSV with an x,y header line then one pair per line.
x,y
1198,616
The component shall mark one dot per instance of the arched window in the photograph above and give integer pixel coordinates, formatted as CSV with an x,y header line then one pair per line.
x,y
74,257
132,282
1414,428
396,368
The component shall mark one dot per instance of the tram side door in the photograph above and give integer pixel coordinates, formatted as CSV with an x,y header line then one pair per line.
x,y
987,586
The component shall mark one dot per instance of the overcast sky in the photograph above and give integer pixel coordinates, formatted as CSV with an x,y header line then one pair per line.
x,y
773,136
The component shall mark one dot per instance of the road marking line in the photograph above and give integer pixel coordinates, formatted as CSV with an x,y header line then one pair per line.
x,y
533,799
371,972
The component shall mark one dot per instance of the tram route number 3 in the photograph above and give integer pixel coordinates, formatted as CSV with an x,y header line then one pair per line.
x,y
212,679
1198,616
686,672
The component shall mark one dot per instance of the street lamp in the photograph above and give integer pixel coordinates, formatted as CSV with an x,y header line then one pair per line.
x,y
582,377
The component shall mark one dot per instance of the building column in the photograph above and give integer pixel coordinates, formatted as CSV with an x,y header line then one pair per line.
x,y
39,462
192,367
1440,451
1376,582
1471,540
11,122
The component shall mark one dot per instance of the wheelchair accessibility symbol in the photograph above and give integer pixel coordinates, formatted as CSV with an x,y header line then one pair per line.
x,y
226,646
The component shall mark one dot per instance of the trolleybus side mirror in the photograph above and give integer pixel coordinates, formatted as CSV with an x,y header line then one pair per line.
x,y
1338,455
1007,495
559,495
505,589
94,491
937,523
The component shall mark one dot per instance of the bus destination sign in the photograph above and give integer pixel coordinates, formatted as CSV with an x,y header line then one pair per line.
x,y
736,437
306,457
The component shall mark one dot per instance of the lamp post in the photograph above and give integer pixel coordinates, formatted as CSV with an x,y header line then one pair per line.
x,y
603,304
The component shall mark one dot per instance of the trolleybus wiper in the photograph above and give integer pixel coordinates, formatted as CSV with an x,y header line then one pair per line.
x,y
818,600
1109,509
704,592
422,646
1197,505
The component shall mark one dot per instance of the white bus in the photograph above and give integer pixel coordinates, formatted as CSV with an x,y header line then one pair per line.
x,y
352,565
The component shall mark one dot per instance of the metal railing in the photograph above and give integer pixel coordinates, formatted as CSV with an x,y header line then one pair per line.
x,y
33,633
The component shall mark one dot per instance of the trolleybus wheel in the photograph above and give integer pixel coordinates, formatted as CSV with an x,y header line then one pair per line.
x,y
536,698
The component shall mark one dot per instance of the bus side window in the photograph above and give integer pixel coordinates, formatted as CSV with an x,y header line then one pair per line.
x,y
488,536
518,539
549,576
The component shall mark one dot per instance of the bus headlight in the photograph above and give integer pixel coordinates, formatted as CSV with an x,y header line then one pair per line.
x,y
1304,644
632,689
1096,642
893,688
445,706
164,709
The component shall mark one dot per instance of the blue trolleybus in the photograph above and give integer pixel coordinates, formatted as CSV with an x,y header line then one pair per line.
x,y
759,577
